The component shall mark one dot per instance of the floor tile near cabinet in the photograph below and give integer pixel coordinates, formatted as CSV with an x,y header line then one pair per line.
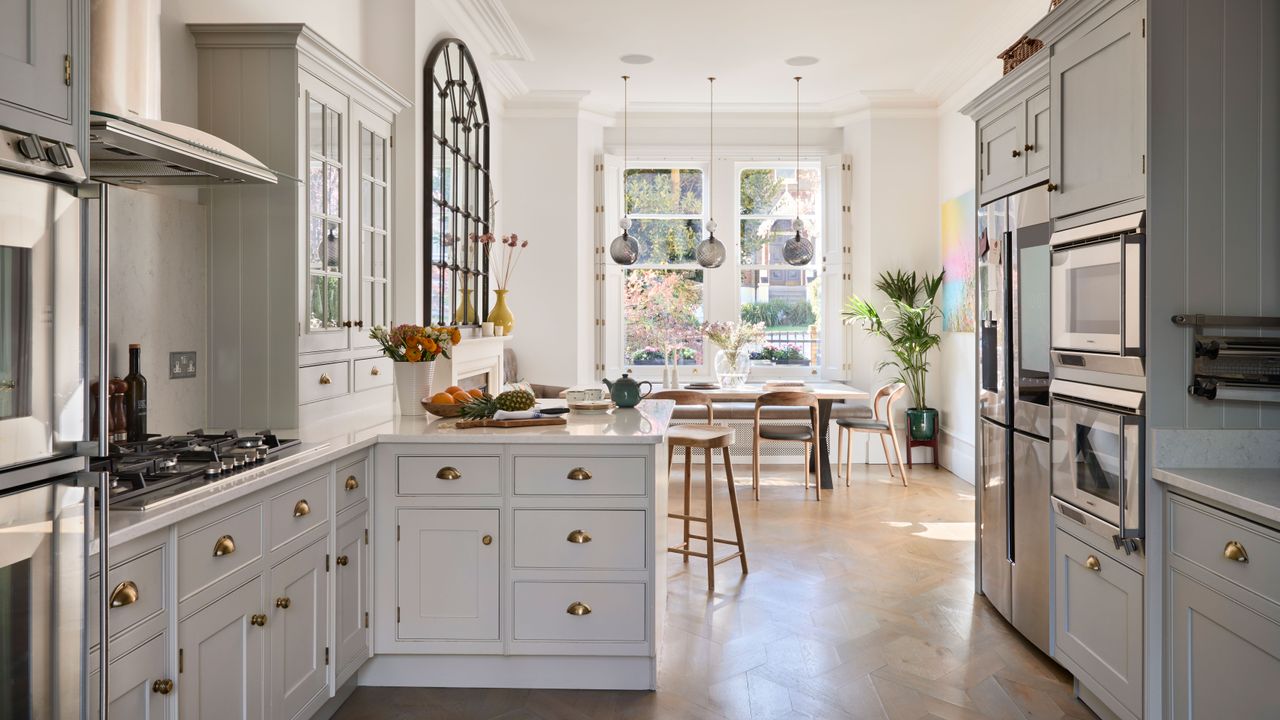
x,y
860,606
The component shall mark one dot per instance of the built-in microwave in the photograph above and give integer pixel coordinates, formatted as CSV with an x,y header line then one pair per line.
x,y
1096,288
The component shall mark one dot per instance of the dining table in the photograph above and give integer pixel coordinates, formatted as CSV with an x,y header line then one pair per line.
x,y
828,393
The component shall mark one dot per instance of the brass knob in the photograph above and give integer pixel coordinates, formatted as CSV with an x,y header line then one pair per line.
x,y
486,540
360,324
374,370
302,508
1028,147
1235,551
258,620
448,473
342,560
162,687
347,323
1051,187
579,537
126,593
325,379
352,483
1092,563
224,546
579,609
283,603
1017,152
579,473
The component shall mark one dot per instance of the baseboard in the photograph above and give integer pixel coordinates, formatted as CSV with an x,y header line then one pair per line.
x,y
511,671
957,455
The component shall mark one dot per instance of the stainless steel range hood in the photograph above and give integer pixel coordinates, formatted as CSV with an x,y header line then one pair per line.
x,y
128,144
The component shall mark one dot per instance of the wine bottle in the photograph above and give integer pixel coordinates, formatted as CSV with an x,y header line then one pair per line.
x,y
117,423
135,396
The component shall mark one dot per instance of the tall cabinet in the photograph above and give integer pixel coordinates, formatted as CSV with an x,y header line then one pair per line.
x,y
300,272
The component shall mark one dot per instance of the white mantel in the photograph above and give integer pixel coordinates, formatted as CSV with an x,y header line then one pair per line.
x,y
473,356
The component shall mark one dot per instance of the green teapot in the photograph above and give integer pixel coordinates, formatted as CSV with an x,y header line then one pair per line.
x,y
626,392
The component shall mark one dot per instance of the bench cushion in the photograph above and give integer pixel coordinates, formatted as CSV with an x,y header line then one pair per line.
x,y
747,411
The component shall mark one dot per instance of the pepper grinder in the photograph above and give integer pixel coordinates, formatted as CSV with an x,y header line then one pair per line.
x,y
118,424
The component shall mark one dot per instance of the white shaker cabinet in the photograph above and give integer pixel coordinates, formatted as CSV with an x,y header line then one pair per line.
x,y
351,592
44,62
140,684
447,585
297,623
222,657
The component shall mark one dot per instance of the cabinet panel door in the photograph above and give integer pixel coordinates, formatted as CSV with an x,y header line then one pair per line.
x,y
371,305
134,677
1001,151
447,583
297,622
35,40
1226,657
222,656
1099,618
1099,128
325,151
352,594
1036,148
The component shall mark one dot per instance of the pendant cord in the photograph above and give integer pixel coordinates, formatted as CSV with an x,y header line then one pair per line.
x,y
796,196
711,164
626,127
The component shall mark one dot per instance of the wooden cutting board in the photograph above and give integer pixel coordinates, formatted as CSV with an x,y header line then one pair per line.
x,y
531,422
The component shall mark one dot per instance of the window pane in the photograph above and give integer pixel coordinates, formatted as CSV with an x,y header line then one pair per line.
x,y
315,243
315,127
333,190
366,152
666,191
333,247
379,158
662,311
666,241
762,239
787,301
315,187
772,191
332,131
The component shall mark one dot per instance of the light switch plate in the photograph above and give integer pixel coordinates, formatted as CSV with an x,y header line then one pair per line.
x,y
182,365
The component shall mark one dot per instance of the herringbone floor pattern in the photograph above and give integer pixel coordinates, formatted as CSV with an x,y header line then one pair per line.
x,y
861,606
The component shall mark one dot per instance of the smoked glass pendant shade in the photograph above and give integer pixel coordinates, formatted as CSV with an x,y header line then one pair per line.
x,y
624,249
710,252
799,249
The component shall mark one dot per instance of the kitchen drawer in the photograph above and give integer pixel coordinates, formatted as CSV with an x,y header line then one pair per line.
x,y
372,373
582,539
1203,535
321,382
448,475
554,475
353,484
204,556
296,511
136,589
615,611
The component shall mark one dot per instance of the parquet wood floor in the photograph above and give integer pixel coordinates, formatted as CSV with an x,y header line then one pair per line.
x,y
861,606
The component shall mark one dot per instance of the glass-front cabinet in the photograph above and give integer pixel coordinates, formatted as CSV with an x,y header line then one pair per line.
x,y
371,305
326,323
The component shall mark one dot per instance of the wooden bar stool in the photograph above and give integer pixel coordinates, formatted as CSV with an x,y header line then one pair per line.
x,y
707,437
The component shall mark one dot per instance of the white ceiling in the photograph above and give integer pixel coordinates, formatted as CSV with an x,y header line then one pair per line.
x,y
871,51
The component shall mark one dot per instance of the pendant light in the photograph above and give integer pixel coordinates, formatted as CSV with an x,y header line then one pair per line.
x,y
624,249
710,252
799,249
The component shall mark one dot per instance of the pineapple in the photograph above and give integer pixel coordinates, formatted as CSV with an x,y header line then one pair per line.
x,y
480,408
515,400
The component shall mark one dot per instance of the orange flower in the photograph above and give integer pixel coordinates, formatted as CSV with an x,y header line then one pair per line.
x,y
430,346
455,336
412,353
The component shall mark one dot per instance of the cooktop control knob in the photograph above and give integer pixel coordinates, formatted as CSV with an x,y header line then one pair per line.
x,y
29,146
58,155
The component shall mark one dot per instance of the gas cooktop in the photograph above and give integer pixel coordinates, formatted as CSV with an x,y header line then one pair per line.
x,y
154,471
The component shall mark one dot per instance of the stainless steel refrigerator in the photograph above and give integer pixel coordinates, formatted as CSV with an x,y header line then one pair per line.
x,y
1013,410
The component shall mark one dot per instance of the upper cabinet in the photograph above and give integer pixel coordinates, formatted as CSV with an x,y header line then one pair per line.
x,y
1013,131
299,273
42,67
1098,81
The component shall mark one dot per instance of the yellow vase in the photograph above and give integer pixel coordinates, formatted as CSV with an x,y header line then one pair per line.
x,y
465,314
501,314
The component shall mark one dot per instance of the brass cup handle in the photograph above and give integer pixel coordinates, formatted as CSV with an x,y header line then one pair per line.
x,y
283,603
1092,563
1235,551
375,371
486,540
1051,187
224,546
342,560
448,472
579,609
258,620
325,379
162,687
302,508
1017,152
352,483
579,473
579,537
126,593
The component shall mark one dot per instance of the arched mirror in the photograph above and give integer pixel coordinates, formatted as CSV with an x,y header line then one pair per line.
x,y
459,198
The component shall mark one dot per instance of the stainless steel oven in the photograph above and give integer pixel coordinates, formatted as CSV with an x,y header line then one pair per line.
x,y
1096,288
1098,449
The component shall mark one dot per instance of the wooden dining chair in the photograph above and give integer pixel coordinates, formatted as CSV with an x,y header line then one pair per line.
x,y
880,423
706,437
807,435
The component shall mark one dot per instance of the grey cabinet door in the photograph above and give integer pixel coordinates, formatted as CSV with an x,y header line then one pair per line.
x,y
1000,140
222,658
297,623
137,683
1098,84
448,571
35,47
1225,657
1036,149
351,596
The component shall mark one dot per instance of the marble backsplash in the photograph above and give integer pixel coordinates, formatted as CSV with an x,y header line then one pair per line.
x,y
1180,448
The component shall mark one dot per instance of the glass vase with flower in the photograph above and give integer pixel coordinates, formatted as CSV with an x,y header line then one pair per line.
x,y
733,359
414,349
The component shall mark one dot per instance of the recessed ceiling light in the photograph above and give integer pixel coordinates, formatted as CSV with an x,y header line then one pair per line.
x,y
636,59
802,60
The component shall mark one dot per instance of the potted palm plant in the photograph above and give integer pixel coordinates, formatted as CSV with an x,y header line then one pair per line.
x,y
907,324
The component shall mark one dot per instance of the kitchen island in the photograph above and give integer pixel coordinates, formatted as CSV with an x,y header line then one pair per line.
x,y
397,551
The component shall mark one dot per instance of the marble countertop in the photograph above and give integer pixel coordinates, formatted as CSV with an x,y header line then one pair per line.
x,y
1254,492
345,434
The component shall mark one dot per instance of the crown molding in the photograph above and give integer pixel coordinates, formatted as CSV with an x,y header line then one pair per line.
x,y
487,22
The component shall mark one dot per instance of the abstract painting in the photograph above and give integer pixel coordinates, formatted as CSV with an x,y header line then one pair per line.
x,y
958,259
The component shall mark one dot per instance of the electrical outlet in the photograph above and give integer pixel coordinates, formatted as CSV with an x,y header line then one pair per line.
x,y
182,365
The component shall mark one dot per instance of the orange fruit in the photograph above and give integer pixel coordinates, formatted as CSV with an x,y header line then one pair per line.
x,y
441,398
453,390
462,397
476,392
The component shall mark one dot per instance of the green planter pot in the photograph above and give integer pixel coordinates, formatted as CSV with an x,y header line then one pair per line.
x,y
923,422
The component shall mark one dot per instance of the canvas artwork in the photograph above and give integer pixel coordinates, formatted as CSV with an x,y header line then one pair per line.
x,y
958,259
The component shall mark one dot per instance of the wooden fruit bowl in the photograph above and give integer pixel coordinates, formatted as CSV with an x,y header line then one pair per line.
x,y
444,410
